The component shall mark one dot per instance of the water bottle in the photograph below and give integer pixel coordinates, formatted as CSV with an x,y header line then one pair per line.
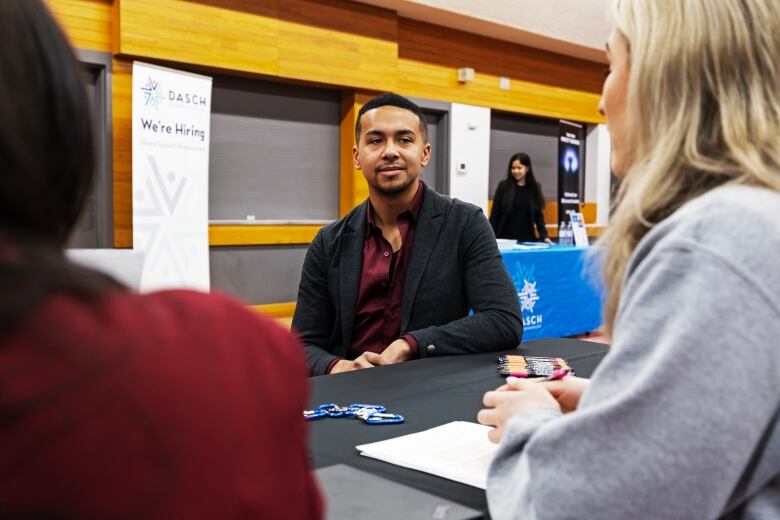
x,y
562,233
568,234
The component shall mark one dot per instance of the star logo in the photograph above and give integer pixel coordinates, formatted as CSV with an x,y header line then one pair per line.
x,y
152,93
528,296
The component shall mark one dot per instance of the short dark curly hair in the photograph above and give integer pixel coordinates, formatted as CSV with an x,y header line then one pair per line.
x,y
394,100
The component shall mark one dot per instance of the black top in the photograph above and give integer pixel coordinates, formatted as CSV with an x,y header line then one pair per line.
x,y
518,223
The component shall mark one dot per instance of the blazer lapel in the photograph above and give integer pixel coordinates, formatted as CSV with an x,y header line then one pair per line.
x,y
425,236
350,262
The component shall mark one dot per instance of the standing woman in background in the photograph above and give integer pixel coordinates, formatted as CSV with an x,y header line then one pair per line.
x,y
518,203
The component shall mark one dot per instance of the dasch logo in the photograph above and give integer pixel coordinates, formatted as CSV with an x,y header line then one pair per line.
x,y
154,95
528,298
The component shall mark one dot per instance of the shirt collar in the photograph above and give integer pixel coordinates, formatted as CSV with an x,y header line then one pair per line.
x,y
413,211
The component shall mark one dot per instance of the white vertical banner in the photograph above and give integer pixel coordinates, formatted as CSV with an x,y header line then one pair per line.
x,y
171,135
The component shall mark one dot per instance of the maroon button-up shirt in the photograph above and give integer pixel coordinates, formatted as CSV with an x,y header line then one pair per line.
x,y
381,290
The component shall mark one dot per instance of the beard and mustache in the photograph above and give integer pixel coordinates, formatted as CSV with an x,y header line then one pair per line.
x,y
394,189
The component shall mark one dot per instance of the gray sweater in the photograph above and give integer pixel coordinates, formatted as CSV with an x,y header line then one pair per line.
x,y
680,420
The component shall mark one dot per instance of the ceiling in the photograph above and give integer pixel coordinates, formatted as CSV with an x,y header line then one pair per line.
x,y
575,28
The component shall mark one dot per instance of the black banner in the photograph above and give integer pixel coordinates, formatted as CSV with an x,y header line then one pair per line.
x,y
570,143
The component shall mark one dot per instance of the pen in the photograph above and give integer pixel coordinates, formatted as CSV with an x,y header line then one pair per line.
x,y
556,374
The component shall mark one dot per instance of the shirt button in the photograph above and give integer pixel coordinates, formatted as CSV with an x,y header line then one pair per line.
x,y
431,349
386,253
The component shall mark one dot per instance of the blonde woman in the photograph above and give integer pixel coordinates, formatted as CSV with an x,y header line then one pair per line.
x,y
681,418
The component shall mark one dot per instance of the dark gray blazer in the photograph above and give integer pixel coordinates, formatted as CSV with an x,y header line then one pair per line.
x,y
455,266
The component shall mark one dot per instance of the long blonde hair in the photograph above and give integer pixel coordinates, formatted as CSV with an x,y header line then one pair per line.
x,y
704,103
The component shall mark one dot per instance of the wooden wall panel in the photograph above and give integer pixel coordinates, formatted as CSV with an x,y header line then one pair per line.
x,y
542,83
294,39
244,235
353,188
440,82
434,44
123,159
276,310
588,210
86,22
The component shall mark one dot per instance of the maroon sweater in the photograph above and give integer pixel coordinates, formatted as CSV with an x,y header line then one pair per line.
x,y
171,405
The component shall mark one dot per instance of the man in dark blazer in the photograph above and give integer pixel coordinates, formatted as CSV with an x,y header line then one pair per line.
x,y
396,278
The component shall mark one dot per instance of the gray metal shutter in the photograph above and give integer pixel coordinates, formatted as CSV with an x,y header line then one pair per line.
x,y
510,134
258,274
274,152
274,155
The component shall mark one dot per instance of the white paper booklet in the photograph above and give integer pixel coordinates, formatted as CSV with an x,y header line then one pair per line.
x,y
458,451
505,244
578,228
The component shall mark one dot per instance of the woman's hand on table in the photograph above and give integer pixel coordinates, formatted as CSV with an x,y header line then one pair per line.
x,y
567,391
508,400
523,394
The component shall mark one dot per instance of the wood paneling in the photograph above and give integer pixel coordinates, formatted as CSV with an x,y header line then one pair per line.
x,y
86,22
341,43
450,48
123,158
277,310
294,39
260,234
353,188
541,83
588,210
440,82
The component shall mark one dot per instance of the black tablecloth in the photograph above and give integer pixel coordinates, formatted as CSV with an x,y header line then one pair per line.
x,y
427,392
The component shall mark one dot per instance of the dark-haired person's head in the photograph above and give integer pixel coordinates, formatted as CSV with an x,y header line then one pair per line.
x,y
519,169
392,146
46,161
46,154
520,172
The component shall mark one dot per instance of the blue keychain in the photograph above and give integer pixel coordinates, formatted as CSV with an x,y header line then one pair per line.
x,y
384,418
368,413
333,410
360,408
313,415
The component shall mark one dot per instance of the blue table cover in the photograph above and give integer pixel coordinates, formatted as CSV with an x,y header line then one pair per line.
x,y
558,289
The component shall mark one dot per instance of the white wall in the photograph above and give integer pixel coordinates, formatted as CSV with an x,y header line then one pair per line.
x,y
470,147
597,171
